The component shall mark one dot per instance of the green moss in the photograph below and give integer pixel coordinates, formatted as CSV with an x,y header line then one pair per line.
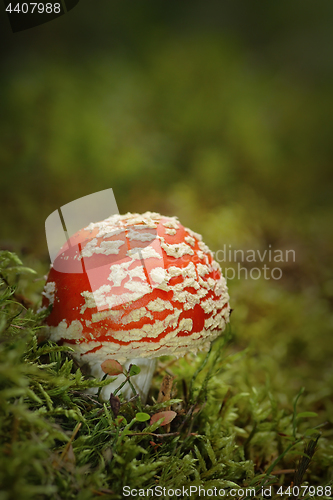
x,y
58,442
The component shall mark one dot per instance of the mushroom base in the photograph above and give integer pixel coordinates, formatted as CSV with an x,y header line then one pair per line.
x,y
141,382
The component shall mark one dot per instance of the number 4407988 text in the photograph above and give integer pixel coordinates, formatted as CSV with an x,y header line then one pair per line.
x,y
32,7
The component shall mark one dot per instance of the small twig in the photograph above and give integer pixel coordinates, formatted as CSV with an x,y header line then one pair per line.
x,y
283,471
167,434
165,394
88,397
165,390
164,368
189,433
76,430
187,416
128,379
56,463
102,492
133,398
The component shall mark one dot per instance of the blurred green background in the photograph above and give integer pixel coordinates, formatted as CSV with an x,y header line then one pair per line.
x,y
218,112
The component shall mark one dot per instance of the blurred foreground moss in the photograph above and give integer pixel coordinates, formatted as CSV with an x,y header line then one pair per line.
x,y
232,430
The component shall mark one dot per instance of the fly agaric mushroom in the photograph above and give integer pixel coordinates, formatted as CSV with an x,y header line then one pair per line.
x,y
149,287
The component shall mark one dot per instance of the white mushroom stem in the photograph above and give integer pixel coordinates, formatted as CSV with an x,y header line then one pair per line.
x,y
141,382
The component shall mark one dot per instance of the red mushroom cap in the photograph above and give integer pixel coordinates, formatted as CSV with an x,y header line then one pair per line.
x,y
149,287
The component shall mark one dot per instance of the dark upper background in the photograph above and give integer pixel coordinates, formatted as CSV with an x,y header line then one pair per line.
x,y
218,112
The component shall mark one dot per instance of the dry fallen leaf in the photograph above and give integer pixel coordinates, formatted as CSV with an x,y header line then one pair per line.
x,y
115,404
168,417
165,390
111,367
